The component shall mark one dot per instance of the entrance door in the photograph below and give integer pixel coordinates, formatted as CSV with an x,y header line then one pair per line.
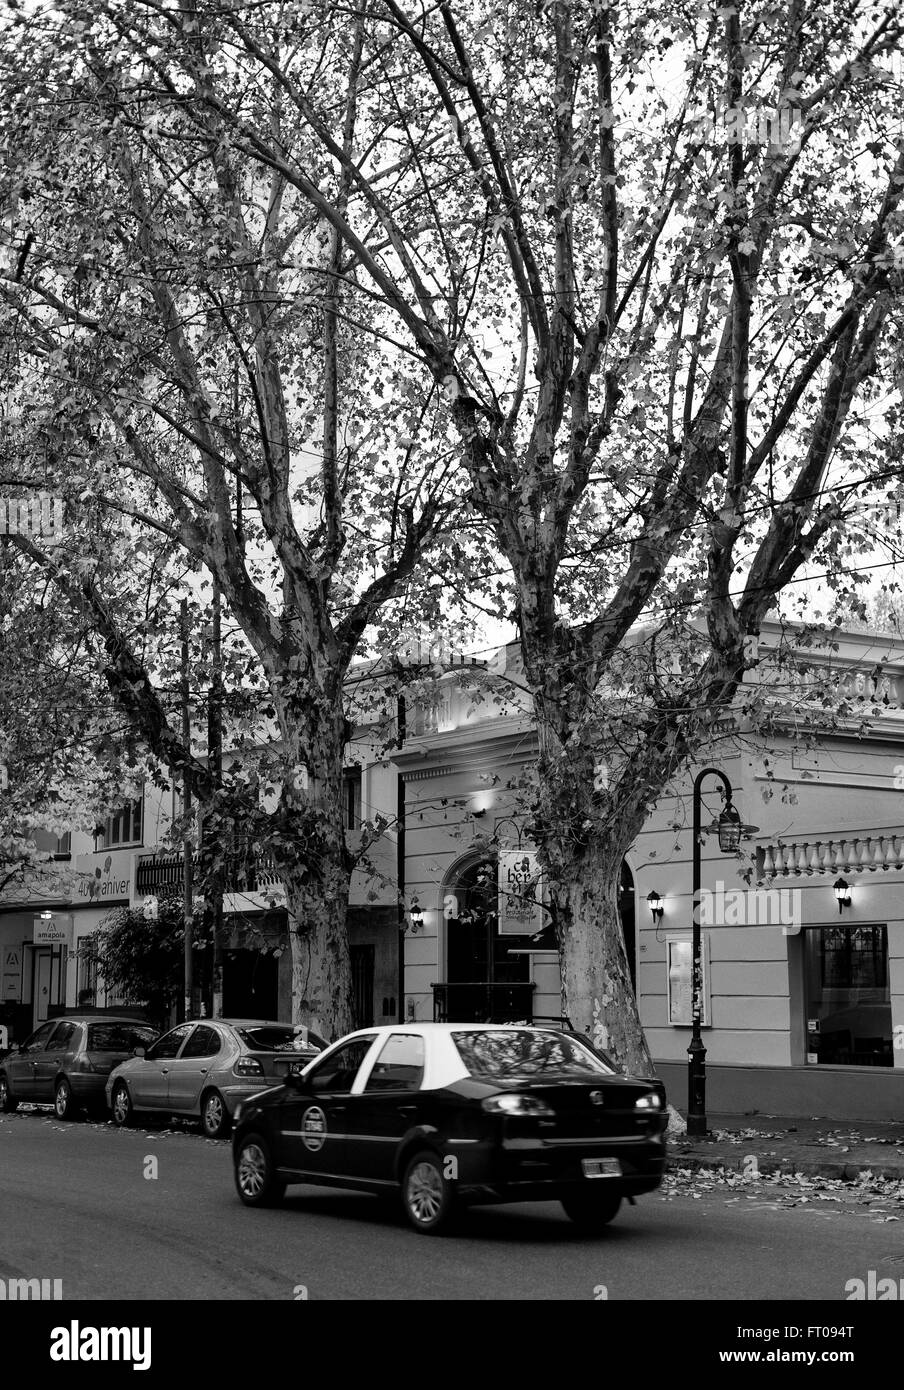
x,y
485,982
43,983
362,962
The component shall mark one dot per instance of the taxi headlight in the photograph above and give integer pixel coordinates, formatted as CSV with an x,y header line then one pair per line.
x,y
648,1102
510,1104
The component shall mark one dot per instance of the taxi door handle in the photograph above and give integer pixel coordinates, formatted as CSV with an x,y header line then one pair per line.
x,y
406,1109
338,1109
204,1071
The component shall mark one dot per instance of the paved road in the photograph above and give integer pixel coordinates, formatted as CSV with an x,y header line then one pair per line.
x,y
75,1204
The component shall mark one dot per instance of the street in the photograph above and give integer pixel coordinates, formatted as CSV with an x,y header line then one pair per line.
x,y
79,1203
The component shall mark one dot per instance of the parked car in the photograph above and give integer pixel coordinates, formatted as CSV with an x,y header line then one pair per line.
x,y
445,1113
204,1069
66,1062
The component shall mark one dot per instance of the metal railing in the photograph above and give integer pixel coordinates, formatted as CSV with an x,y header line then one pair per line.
x,y
478,1001
161,875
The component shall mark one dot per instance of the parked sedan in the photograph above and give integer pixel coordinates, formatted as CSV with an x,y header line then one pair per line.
x,y
66,1062
204,1069
445,1113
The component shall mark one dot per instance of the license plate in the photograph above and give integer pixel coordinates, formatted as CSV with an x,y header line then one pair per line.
x,y
601,1167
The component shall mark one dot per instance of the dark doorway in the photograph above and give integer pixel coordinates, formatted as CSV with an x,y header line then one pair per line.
x,y
250,985
484,981
362,960
626,912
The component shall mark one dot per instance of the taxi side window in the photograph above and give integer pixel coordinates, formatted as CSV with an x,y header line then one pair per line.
x,y
337,1073
400,1064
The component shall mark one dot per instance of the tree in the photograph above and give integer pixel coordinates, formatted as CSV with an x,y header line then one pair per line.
x,y
659,320
140,958
65,760
180,360
665,315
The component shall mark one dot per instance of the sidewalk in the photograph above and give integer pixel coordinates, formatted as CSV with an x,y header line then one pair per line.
x,y
788,1144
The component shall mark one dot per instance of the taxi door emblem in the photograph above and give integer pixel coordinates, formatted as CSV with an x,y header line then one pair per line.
x,y
313,1128
596,1098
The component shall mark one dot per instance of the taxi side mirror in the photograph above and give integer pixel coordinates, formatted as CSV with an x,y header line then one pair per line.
x,y
294,1074
138,1052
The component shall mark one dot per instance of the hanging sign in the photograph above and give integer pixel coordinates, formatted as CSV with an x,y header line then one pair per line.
x,y
520,904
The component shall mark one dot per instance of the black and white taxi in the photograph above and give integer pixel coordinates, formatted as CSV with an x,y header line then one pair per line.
x,y
447,1113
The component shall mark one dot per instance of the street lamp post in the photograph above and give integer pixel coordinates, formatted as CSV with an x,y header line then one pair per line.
x,y
729,828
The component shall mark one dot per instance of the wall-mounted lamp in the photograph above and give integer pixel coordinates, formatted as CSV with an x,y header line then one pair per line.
x,y
654,900
416,916
842,893
46,916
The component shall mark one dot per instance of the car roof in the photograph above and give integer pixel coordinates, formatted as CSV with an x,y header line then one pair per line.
x,y
251,1022
102,1018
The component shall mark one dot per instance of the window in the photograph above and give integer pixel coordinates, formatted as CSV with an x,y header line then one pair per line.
x,y
124,827
847,996
519,1052
338,1072
38,1040
351,798
278,1037
204,1042
87,973
118,1037
170,1043
50,843
63,1037
400,1065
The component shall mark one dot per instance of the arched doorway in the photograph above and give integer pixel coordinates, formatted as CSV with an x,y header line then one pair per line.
x,y
628,921
487,976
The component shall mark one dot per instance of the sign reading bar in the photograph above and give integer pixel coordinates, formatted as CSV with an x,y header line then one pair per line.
x,y
520,908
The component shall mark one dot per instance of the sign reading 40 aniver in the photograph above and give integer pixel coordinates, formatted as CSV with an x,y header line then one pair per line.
x,y
520,905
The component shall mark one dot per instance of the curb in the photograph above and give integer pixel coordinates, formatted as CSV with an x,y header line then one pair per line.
x,y
786,1167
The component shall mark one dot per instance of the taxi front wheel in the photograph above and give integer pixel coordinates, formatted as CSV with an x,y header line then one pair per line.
x,y
428,1196
255,1177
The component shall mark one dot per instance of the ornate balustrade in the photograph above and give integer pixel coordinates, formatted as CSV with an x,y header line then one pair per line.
x,y
807,858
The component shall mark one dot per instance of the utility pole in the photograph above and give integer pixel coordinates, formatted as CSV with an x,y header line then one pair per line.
x,y
188,895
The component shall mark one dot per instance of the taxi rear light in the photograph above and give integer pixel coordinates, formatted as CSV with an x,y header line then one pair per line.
x,y
248,1066
513,1104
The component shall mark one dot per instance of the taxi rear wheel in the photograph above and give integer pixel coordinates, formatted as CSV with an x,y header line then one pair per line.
x,y
255,1177
592,1210
8,1102
428,1197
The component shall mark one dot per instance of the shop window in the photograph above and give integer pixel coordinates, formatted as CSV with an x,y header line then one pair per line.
x,y
847,996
